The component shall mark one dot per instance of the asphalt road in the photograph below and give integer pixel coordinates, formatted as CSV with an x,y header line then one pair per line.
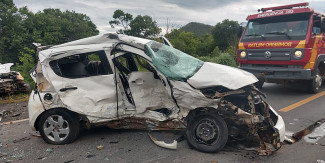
x,y
18,145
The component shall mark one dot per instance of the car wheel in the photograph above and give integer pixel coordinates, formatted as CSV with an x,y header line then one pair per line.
x,y
259,84
207,133
315,83
58,126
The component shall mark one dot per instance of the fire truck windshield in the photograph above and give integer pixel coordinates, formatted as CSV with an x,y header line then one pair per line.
x,y
287,27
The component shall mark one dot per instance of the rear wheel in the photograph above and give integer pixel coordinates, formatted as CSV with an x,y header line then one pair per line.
x,y
207,132
58,126
315,83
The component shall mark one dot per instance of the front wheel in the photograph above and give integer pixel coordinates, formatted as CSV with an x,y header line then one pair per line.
x,y
315,83
207,133
58,126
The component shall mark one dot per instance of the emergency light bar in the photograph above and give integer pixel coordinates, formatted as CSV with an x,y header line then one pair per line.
x,y
283,7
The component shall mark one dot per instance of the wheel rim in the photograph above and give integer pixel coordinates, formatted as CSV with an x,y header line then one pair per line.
x,y
206,132
56,128
318,81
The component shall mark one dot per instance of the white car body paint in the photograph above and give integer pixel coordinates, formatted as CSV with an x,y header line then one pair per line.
x,y
212,74
5,68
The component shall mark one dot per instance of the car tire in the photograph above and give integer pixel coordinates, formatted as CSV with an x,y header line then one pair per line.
x,y
315,83
259,84
58,126
207,133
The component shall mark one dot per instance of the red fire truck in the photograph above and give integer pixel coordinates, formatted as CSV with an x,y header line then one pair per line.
x,y
285,44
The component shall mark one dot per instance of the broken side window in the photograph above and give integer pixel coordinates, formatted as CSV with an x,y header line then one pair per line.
x,y
82,65
142,64
174,64
130,62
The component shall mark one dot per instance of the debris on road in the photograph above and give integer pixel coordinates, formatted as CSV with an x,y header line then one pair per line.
x,y
41,158
20,140
13,111
163,144
90,156
16,114
4,113
36,134
49,150
100,147
311,134
181,138
12,122
289,139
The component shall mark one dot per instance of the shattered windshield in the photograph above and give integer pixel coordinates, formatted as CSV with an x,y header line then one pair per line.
x,y
287,27
171,62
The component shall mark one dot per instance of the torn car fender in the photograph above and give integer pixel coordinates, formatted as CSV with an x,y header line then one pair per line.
x,y
280,125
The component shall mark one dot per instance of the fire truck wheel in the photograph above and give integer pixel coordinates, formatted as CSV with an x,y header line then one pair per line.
x,y
259,84
315,83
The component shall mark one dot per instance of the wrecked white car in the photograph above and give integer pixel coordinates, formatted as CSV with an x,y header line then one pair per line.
x,y
126,82
11,81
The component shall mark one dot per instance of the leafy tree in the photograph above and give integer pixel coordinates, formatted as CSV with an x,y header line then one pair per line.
x,y
226,59
11,32
27,63
19,28
140,26
184,41
144,26
121,18
216,52
53,26
226,34
206,45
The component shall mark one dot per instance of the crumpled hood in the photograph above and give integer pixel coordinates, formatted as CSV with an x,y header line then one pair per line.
x,y
212,74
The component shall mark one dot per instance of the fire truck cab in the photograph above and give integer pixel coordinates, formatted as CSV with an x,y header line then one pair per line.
x,y
284,44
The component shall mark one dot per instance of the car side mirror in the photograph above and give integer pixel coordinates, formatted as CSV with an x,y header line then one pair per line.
x,y
240,31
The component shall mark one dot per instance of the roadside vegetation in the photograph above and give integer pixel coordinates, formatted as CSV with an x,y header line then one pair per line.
x,y
19,28
15,98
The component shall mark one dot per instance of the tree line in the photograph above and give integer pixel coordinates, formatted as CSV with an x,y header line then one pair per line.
x,y
19,28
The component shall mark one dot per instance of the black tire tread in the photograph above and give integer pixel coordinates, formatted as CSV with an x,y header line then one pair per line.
x,y
202,147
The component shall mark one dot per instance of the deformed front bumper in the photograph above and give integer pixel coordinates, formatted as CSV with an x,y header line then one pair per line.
x,y
279,125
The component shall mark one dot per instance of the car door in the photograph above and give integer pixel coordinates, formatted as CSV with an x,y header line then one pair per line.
x,y
85,84
147,89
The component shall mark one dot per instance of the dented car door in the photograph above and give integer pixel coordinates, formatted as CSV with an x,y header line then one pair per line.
x,y
147,91
77,77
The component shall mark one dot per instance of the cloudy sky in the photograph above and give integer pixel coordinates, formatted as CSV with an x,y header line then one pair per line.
x,y
178,12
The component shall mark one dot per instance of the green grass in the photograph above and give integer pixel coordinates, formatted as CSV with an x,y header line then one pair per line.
x,y
16,98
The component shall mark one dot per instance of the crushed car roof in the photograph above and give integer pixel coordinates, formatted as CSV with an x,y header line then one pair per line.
x,y
94,42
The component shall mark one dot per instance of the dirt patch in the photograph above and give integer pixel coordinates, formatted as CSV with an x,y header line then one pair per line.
x,y
13,111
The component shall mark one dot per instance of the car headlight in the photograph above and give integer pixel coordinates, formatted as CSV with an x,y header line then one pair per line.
x,y
242,54
298,54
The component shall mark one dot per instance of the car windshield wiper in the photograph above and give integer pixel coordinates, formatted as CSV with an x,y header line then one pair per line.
x,y
255,34
279,33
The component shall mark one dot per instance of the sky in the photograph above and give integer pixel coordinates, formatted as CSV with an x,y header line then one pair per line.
x,y
178,12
